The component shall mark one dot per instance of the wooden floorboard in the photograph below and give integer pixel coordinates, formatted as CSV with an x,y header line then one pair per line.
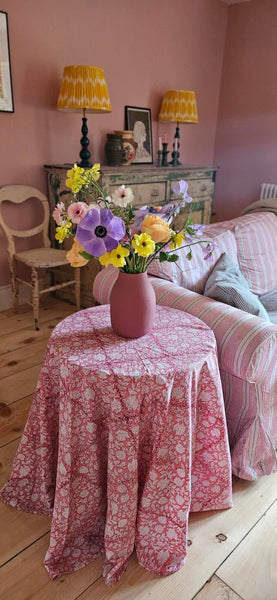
x,y
216,589
252,570
13,418
19,360
21,384
224,545
25,577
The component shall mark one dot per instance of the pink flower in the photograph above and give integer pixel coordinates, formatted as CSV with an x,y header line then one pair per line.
x,y
57,212
77,211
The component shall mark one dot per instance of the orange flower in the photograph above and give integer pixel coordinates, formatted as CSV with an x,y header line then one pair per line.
x,y
156,227
74,256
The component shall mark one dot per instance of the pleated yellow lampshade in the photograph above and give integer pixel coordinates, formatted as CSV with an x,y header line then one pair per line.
x,y
84,87
179,106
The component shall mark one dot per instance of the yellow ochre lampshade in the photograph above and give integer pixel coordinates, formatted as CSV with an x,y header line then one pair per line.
x,y
84,87
179,106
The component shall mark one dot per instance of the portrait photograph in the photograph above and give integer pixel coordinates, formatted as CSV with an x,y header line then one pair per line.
x,y
6,94
138,120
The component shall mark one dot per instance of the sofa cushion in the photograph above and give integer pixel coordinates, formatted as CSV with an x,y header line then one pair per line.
x,y
269,301
256,237
192,274
227,284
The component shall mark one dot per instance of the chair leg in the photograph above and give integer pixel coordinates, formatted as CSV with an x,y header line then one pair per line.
x,y
14,286
35,297
77,287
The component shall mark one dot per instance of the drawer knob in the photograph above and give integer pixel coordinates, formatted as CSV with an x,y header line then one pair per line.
x,y
154,193
203,187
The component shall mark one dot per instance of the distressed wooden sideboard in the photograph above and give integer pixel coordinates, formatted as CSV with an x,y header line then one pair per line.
x,y
152,186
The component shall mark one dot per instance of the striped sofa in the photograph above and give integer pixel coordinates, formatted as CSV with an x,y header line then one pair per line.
x,y
247,345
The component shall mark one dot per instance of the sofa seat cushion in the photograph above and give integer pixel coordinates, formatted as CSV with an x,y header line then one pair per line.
x,y
193,274
227,284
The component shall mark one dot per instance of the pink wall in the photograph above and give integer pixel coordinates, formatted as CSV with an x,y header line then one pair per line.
x,y
246,141
144,48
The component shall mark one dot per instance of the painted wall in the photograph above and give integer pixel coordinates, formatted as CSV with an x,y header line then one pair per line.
x,y
246,141
144,48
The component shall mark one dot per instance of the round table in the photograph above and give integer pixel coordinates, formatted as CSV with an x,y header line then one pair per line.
x,y
123,439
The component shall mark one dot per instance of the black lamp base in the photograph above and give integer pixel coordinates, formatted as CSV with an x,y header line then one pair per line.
x,y
84,153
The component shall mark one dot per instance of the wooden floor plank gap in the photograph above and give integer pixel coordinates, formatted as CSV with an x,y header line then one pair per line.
x,y
25,548
10,442
90,586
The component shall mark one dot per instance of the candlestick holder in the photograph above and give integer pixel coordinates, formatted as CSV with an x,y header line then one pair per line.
x,y
160,158
175,153
165,152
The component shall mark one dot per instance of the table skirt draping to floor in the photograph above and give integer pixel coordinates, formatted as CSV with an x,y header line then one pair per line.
x,y
123,439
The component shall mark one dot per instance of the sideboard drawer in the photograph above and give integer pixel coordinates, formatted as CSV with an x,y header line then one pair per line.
x,y
146,193
197,188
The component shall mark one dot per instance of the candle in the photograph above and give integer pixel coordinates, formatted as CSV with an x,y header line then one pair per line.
x,y
165,138
160,143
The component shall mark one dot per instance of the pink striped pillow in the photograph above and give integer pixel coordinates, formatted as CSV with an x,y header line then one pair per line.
x,y
193,274
256,237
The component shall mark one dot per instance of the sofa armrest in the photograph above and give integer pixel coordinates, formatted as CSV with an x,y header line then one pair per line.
x,y
246,344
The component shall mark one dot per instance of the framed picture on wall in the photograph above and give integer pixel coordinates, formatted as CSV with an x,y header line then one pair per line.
x,y
6,93
139,121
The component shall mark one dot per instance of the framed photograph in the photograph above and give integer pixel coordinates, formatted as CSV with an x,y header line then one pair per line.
x,y
6,93
139,121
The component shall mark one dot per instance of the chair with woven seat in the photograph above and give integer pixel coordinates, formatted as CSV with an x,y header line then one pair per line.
x,y
38,258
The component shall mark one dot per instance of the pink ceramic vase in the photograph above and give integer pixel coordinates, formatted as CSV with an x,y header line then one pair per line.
x,y
132,305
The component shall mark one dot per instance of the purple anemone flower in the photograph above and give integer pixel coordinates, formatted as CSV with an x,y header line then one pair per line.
x,y
100,231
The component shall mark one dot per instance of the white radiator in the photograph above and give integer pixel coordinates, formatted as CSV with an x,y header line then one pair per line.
x,y
268,190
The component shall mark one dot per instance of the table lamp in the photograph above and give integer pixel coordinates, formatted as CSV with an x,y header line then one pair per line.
x,y
84,89
178,106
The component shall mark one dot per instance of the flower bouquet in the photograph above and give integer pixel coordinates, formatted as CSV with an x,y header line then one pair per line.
x,y
111,230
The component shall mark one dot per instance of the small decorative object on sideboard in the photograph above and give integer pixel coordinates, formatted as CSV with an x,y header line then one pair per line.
x,y
111,230
129,146
114,149
165,152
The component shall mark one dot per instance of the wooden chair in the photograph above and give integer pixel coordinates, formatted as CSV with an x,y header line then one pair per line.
x,y
38,258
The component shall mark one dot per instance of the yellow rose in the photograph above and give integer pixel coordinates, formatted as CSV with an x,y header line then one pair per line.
x,y
156,227
74,256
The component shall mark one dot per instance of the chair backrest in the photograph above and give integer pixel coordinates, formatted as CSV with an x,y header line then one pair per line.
x,y
18,194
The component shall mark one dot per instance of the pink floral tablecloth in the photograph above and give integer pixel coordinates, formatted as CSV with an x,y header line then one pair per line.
x,y
123,439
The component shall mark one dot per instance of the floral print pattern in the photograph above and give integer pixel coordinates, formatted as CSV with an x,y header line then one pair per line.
x,y
123,439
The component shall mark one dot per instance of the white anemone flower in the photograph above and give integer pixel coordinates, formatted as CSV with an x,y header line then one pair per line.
x,y
122,196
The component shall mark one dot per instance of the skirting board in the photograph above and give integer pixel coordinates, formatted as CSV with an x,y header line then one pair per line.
x,y
6,296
